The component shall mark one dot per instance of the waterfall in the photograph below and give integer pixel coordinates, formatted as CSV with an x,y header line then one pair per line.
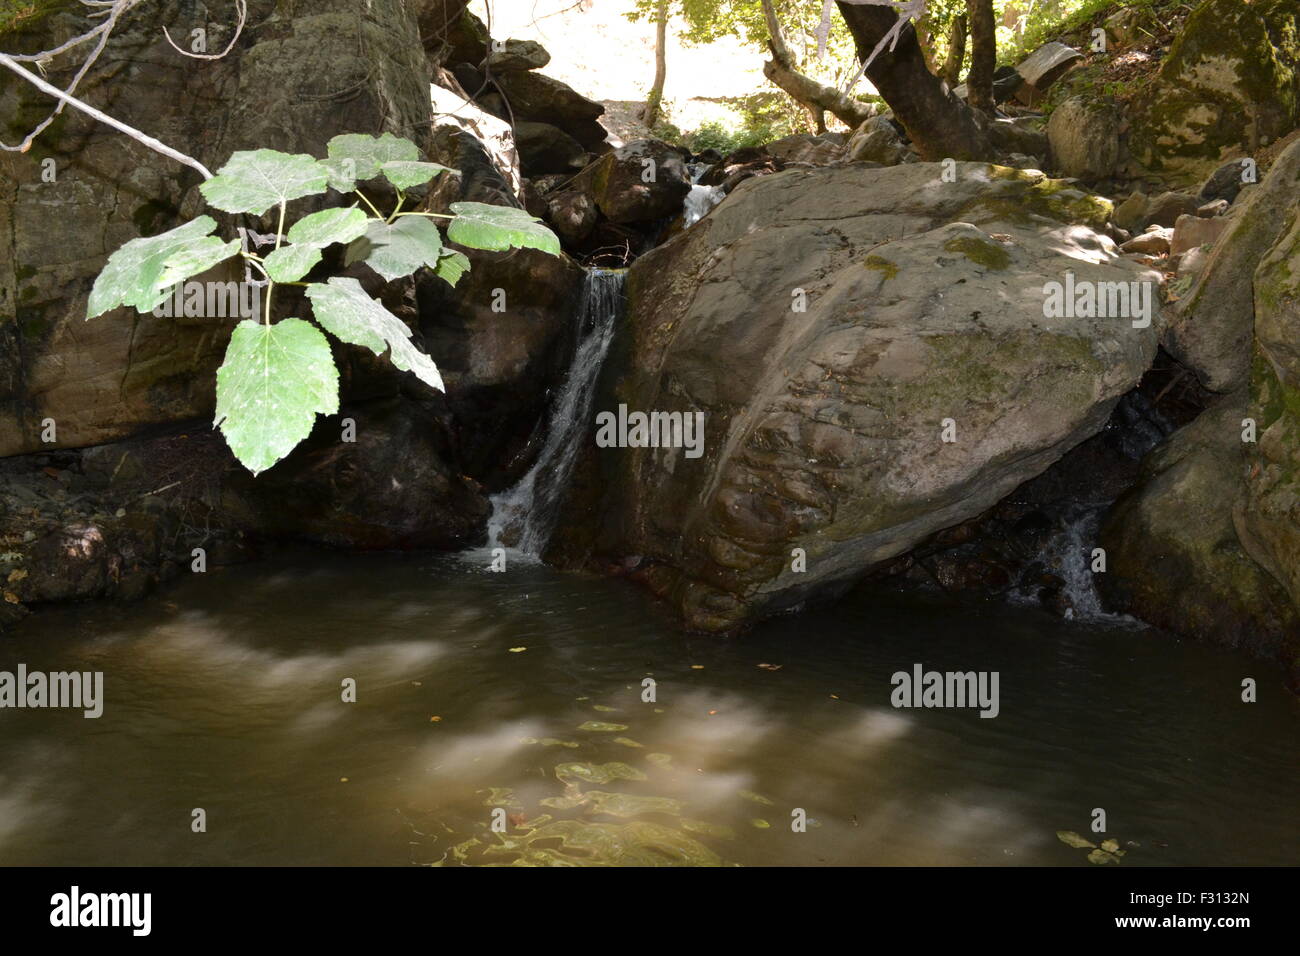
x,y
701,198
524,516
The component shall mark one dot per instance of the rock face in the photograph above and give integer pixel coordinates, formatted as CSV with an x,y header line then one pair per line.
x,y
1173,554
1269,522
1211,326
1084,138
1209,544
1228,86
886,310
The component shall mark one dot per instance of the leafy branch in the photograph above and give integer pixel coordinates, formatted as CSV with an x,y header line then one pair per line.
x,y
278,376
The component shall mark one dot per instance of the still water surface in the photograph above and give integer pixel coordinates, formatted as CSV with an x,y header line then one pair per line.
x,y
224,693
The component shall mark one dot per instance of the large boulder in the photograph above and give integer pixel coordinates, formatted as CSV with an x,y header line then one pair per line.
x,y
833,327
1229,85
1084,138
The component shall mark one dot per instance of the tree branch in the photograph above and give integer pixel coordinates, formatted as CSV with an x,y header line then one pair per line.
x,y
70,100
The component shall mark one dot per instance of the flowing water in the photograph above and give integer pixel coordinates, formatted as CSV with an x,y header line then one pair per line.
x,y
523,692
524,516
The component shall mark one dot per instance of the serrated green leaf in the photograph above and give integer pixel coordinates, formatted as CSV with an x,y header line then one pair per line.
x,y
274,381
397,250
451,266
290,263
481,226
343,308
368,152
328,226
254,181
141,272
405,175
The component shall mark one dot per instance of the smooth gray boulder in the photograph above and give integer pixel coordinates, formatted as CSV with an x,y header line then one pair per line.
x,y
833,326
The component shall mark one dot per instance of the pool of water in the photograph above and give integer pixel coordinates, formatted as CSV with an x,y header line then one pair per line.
x,y
517,699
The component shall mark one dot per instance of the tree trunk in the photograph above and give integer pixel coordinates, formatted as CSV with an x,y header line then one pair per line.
x,y
983,55
939,125
650,116
956,51
810,94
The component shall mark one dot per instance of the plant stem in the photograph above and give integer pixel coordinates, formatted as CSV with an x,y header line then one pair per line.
x,y
270,283
401,200
372,206
434,215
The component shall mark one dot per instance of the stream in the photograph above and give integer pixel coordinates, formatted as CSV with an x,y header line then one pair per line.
x,y
522,693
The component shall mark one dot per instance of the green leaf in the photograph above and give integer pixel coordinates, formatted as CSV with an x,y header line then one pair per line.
x,y
142,271
343,308
290,263
342,174
397,250
274,381
328,226
481,226
255,181
367,153
451,266
404,175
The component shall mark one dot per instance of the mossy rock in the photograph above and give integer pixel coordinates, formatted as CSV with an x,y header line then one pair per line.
x,y
1231,82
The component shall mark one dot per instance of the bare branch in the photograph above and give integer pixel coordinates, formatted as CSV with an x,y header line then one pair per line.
x,y
70,100
242,7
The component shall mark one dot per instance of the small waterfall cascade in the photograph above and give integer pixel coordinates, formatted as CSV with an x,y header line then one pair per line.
x,y
701,198
524,516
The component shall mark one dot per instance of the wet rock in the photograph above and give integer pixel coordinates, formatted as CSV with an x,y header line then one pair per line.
x,y
1173,554
390,488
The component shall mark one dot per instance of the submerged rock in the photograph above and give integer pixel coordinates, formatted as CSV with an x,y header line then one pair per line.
x,y
884,310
